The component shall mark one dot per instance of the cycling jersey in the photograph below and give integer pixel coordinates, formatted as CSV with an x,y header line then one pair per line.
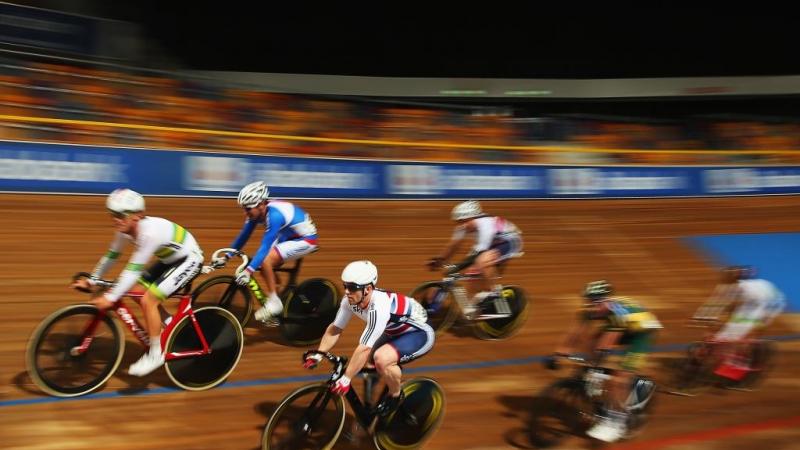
x,y
284,222
623,314
387,312
491,232
760,302
158,237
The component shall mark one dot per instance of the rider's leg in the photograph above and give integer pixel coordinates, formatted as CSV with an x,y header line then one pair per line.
x,y
273,306
386,359
154,357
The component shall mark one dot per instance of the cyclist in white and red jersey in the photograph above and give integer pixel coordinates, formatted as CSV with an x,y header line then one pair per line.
x,y
290,234
396,331
179,261
496,241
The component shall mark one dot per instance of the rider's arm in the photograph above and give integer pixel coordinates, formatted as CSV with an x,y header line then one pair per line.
x,y
129,276
244,235
107,260
574,337
357,361
458,235
330,338
274,223
334,330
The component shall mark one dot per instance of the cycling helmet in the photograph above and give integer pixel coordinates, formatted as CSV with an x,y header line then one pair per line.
x,y
466,210
597,290
253,194
125,201
360,273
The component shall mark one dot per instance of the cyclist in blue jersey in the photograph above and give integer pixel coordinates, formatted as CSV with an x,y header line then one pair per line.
x,y
290,234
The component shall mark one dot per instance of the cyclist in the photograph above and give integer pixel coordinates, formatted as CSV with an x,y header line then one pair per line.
x,y
754,303
179,261
290,234
623,323
396,332
496,241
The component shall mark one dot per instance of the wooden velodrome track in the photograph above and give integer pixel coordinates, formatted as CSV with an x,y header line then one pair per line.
x,y
634,243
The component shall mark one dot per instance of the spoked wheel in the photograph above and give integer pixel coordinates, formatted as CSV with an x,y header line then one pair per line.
x,y
561,410
225,339
308,310
695,373
54,362
514,302
417,418
223,291
311,417
440,304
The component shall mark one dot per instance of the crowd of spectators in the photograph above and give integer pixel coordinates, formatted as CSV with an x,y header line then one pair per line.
x,y
192,114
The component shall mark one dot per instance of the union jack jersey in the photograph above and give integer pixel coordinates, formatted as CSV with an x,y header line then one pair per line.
x,y
387,312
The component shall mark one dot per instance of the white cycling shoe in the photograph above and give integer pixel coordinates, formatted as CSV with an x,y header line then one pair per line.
x,y
268,315
146,364
607,430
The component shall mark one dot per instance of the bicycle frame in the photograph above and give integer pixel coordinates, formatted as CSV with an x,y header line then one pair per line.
x,y
452,284
132,323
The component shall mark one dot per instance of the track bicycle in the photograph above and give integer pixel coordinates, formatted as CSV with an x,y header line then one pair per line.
x,y
308,307
570,406
446,300
76,349
705,366
313,417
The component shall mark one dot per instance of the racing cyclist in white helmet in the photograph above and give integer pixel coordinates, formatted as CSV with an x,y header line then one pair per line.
x,y
290,234
179,260
496,241
396,332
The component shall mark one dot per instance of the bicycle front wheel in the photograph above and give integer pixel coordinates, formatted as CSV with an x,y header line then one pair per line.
x,y
417,418
308,311
54,362
561,410
311,417
517,305
441,306
225,340
223,291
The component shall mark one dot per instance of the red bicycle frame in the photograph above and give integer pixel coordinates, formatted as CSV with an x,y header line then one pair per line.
x,y
129,319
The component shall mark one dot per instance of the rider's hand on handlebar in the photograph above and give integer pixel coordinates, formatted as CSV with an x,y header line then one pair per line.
x,y
244,277
81,284
220,261
551,362
341,386
312,361
435,263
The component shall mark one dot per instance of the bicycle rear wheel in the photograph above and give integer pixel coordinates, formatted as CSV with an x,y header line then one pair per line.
x,y
223,291
505,327
439,302
225,340
51,357
310,417
308,310
417,418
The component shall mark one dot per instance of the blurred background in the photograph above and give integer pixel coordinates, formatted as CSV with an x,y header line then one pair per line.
x,y
649,149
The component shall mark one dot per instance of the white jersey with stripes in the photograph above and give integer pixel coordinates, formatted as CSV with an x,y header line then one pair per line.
x,y
158,237
490,229
387,312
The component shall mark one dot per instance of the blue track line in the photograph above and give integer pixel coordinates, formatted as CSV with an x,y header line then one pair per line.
x,y
314,378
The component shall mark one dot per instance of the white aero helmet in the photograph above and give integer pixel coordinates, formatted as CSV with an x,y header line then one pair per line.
x,y
125,201
466,210
253,194
361,273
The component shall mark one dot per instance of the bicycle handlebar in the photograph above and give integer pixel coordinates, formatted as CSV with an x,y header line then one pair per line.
x,y
233,252
92,280
338,362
